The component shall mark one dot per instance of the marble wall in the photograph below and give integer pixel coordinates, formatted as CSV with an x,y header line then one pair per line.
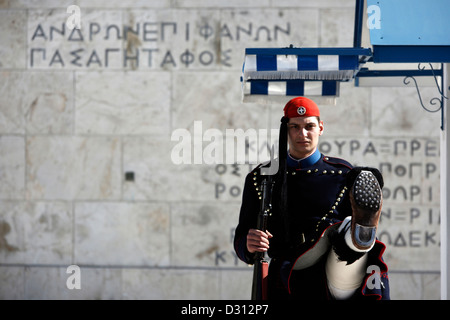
x,y
87,123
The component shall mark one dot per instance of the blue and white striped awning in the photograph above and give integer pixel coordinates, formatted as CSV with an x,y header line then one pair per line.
x,y
292,87
304,63
300,71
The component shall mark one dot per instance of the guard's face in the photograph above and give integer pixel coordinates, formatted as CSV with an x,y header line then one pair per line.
x,y
303,136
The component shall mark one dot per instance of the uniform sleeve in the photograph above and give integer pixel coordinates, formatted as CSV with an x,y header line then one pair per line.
x,y
344,208
247,219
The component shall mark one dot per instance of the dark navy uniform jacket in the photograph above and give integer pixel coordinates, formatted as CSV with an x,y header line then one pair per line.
x,y
317,199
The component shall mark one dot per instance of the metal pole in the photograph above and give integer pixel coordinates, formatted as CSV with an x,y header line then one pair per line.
x,y
445,188
357,31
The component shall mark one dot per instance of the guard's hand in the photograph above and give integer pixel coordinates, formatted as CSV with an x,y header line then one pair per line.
x,y
258,241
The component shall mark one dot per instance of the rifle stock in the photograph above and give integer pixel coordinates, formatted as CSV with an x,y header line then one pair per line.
x,y
261,265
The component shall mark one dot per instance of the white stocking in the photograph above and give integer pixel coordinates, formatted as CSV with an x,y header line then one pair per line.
x,y
343,279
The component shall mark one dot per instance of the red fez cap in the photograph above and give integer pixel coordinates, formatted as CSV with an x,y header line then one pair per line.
x,y
301,107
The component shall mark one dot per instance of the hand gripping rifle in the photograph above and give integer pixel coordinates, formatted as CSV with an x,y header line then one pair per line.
x,y
261,265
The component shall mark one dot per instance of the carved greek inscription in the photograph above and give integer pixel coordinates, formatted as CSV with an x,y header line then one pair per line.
x,y
149,44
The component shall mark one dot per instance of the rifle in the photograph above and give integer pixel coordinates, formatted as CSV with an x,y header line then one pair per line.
x,y
261,266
